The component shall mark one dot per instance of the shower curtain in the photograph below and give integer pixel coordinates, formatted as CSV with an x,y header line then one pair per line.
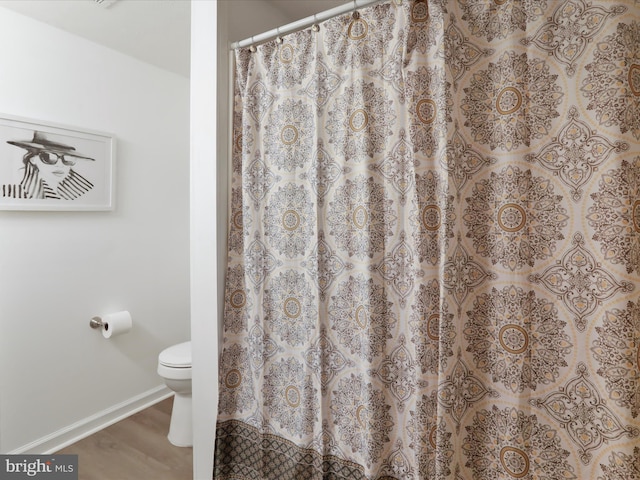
x,y
434,246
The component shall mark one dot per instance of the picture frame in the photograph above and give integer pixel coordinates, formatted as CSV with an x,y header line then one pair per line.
x,y
47,166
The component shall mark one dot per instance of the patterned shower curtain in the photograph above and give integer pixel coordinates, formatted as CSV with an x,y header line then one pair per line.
x,y
434,246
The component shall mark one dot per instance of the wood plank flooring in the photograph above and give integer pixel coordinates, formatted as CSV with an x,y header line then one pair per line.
x,y
135,448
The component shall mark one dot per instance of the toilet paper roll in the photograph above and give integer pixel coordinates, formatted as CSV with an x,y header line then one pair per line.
x,y
115,324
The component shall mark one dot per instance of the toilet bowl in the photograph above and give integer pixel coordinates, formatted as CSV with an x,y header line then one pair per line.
x,y
174,366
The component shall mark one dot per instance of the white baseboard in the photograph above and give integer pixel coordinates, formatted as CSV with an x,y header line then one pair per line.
x,y
77,431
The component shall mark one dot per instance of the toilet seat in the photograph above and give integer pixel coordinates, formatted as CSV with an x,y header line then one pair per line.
x,y
174,363
174,366
176,356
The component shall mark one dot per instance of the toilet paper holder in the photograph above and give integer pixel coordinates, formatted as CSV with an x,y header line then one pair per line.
x,y
96,322
113,324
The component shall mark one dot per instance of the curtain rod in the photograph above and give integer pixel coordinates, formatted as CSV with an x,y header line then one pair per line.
x,y
306,22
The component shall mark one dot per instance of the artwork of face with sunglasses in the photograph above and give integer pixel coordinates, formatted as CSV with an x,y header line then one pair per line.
x,y
53,167
48,171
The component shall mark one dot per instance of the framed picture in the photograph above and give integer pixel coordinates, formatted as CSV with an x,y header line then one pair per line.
x,y
44,166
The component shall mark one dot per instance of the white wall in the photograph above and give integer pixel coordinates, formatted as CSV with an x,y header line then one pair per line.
x,y
206,186
252,17
58,269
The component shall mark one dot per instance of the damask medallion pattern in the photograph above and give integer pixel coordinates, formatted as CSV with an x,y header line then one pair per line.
x,y
512,102
615,215
517,338
434,246
616,60
514,218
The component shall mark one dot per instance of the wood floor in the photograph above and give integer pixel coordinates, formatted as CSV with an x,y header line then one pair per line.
x,y
135,448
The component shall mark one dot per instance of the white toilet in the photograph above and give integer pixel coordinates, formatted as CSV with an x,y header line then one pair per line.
x,y
174,366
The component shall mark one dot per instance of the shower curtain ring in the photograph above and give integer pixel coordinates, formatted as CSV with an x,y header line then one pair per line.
x,y
252,47
355,15
315,27
279,38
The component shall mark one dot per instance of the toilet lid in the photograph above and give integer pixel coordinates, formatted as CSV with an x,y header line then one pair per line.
x,y
177,356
